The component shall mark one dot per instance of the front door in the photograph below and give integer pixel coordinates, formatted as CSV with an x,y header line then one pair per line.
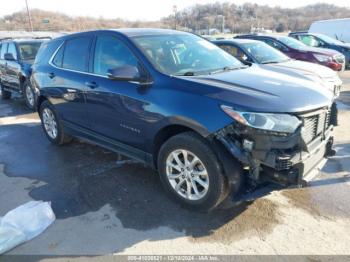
x,y
115,108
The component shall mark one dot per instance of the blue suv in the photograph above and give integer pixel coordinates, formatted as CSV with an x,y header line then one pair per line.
x,y
180,104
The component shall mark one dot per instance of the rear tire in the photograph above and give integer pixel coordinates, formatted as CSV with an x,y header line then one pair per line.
x,y
5,95
52,125
29,95
198,185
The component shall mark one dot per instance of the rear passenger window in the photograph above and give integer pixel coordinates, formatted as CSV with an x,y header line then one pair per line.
x,y
76,54
111,53
3,51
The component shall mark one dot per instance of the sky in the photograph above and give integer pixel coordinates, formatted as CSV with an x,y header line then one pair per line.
x,y
137,9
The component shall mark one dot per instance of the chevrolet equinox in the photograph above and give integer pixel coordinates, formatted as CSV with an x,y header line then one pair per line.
x,y
175,101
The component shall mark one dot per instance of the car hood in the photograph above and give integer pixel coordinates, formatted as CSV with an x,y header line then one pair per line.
x,y
301,67
259,90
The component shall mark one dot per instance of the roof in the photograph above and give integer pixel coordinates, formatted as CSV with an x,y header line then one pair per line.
x,y
298,32
131,32
328,20
252,36
236,41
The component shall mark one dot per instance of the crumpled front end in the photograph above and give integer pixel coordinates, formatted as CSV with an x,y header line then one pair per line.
x,y
334,84
278,157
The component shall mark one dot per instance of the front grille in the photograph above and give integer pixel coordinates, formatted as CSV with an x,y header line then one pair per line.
x,y
283,163
316,124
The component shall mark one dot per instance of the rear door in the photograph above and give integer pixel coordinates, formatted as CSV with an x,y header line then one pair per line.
x,y
67,77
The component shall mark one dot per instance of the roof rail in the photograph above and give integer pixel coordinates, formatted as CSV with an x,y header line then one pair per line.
x,y
26,37
5,38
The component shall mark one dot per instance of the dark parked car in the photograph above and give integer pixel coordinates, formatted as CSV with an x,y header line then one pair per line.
x,y
324,41
16,58
256,52
297,50
185,107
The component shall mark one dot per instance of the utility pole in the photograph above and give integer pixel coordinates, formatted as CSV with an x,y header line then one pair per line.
x,y
29,17
175,16
222,23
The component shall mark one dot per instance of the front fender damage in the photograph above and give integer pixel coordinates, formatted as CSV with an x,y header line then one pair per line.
x,y
274,157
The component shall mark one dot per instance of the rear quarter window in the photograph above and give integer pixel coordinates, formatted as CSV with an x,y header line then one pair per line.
x,y
46,50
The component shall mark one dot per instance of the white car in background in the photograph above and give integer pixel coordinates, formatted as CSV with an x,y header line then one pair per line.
x,y
336,28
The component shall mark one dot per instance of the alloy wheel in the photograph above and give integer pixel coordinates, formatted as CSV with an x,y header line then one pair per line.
x,y
50,123
187,175
29,95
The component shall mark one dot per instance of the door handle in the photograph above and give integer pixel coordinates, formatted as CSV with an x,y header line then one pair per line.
x,y
51,75
92,84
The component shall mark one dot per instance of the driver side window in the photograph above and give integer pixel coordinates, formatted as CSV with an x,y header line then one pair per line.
x,y
235,51
275,44
111,53
311,40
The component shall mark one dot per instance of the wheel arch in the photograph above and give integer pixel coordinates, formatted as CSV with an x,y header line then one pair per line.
x,y
41,99
174,127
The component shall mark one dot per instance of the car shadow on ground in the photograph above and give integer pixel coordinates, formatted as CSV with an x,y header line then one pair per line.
x,y
80,178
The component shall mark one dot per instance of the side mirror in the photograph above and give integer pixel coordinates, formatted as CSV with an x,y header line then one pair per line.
x,y
9,57
124,73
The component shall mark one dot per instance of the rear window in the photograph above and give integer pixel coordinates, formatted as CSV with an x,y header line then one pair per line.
x,y
28,51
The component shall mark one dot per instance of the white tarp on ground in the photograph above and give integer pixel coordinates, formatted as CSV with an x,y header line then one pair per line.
x,y
24,223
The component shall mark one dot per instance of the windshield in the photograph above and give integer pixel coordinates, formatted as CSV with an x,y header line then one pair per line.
x,y
185,54
292,43
28,50
330,40
264,54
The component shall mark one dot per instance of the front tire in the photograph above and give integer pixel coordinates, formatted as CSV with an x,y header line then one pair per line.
x,y
191,173
29,95
5,95
52,125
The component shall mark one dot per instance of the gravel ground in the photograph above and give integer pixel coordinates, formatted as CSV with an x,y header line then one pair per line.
x,y
104,209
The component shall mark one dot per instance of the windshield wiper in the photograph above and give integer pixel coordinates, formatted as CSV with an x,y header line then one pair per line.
x,y
227,68
272,62
188,73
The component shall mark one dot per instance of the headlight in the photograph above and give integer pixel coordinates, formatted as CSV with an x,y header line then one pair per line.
x,y
283,123
323,58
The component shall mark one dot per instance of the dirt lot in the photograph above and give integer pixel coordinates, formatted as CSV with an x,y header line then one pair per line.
x,y
103,208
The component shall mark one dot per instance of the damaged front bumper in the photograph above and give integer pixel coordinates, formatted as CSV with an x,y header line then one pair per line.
x,y
282,158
